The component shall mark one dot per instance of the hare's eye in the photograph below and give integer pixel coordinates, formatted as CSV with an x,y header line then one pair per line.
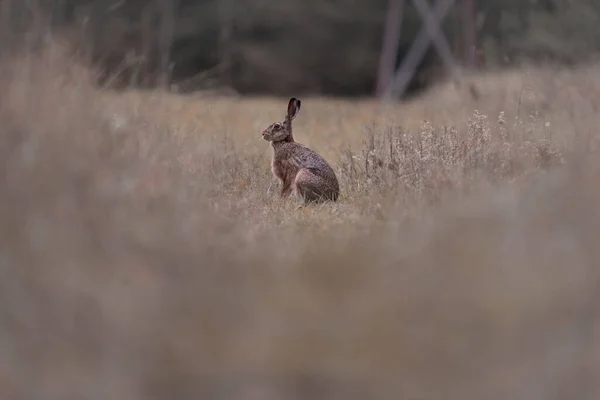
x,y
277,126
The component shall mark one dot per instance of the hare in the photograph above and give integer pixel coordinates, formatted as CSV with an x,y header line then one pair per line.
x,y
303,173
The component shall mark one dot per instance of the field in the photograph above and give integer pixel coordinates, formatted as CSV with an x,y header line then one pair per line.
x,y
145,253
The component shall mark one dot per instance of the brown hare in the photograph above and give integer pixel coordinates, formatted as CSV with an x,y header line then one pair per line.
x,y
303,173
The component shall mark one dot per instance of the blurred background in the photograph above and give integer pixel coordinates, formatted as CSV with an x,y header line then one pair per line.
x,y
145,254
321,47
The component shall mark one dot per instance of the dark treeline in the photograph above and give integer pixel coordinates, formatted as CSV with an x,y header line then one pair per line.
x,y
272,46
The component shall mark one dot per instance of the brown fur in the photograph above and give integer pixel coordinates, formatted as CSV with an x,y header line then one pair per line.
x,y
303,173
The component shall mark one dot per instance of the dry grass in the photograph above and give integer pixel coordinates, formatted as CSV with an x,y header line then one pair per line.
x,y
142,257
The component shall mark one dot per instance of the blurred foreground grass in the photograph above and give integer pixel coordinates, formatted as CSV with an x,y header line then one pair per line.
x,y
142,257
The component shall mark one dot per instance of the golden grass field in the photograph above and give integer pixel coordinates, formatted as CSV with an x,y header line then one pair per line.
x,y
144,257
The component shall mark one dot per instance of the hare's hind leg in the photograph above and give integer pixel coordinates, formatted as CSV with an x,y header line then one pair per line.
x,y
307,187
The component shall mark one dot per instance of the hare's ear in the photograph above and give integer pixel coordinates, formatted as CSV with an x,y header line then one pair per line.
x,y
293,108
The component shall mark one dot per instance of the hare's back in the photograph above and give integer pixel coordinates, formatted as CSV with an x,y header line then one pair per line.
x,y
309,159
